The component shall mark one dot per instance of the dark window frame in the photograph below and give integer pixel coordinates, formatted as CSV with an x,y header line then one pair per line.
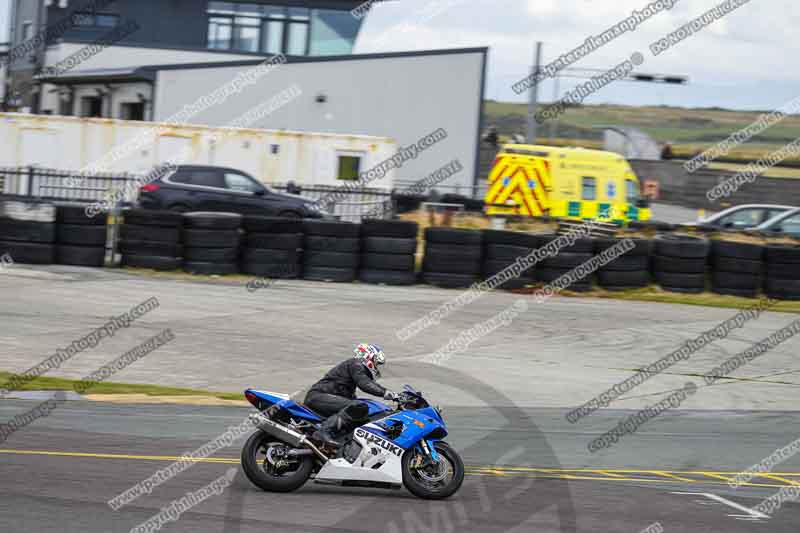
x,y
731,219
781,224
26,30
249,179
584,189
93,17
286,21
340,158
184,174
631,184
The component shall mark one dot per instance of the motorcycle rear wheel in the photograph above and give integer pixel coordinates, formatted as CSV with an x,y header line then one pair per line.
x,y
264,475
436,482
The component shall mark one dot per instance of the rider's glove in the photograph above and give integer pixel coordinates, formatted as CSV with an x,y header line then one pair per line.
x,y
389,395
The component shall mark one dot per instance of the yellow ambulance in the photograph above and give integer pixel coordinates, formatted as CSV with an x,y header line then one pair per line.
x,y
575,183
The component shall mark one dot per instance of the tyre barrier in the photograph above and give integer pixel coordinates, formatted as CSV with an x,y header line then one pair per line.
x,y
331,251
378,251
679,263
151,239
628,271
81,240
567,259
782,280
453,257
211,243
501,249
736,268
28,232
389,250
273,247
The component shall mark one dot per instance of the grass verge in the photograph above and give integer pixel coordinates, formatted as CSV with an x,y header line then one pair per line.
x,y
655,294
44,383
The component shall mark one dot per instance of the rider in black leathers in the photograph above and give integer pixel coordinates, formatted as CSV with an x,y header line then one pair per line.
x,y
334,395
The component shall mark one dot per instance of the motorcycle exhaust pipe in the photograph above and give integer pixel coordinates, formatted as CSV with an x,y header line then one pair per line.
x,y
300,452
287,435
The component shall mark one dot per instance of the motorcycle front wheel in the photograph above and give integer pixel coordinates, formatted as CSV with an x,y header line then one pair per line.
x,y
433,481
267,466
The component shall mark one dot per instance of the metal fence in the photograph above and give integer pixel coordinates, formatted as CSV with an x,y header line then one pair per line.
x,y
360,203
53,184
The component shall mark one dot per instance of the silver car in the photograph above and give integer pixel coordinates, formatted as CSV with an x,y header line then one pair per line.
x,y
743,216
787,223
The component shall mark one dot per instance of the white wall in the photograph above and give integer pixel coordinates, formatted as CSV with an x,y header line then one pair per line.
x,y
403,97
69,143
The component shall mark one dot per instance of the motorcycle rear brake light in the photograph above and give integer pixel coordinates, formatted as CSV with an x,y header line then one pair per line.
x,y
150,187
252,398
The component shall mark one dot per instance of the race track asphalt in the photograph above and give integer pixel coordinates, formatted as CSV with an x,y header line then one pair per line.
x,y
57,475
505,398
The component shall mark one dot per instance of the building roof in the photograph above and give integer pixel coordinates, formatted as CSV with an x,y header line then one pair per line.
x,y
148,72
102,75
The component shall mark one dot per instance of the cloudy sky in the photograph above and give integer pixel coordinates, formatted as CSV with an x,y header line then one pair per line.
x,y
748,60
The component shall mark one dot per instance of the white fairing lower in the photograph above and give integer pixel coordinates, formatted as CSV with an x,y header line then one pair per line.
x,y
363,469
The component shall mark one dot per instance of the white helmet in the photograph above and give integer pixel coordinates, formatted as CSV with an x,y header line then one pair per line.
x,y
372,356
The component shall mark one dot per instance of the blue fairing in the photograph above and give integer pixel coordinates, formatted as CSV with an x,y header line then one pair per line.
x,y
294,408
375,406
417,425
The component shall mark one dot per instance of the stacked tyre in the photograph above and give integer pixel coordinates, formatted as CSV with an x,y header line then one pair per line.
x,y
27,232
501,250
331,251
453,257
567,258
628,271
736,268
679,263
273,247
389,250
81,239
151,239
782,280
211,243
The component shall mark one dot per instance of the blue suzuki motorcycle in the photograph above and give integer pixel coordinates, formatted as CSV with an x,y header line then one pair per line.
x,y
395,448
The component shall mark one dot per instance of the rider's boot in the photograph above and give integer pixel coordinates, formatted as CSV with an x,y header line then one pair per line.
x,y
327,431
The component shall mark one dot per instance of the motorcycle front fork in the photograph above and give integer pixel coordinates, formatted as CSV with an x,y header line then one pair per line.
x,y
429,455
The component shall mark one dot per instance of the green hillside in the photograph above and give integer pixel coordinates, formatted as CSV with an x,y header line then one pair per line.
x,y
687,129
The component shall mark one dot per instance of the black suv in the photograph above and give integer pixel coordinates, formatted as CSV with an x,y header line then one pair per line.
x,y
207,188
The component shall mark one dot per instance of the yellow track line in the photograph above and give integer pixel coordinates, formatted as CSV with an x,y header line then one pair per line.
x,y
725,479
610,474
779,478
673,476
476,470
170,458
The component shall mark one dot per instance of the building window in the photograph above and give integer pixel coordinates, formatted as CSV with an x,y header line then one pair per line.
x,y
276,29
27,30
297,32
589,189
220,32
333,32
349,166
96,20
132,111
91,106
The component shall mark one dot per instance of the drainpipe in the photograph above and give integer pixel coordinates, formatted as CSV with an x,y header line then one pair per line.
x,y
41,22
